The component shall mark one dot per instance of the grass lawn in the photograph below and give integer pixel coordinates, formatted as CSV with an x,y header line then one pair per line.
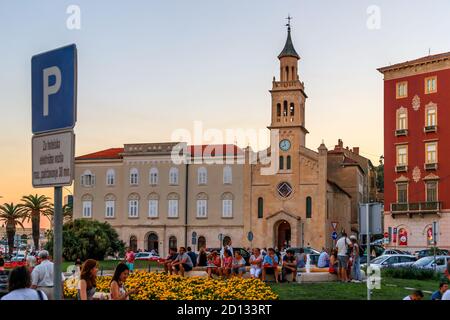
x,y
391,289
111,264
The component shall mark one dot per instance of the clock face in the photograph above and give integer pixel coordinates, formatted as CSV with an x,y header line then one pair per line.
x,y
285,145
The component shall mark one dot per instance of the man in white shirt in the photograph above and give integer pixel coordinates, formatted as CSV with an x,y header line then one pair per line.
x,y
342,246
227,246
446,295
42,275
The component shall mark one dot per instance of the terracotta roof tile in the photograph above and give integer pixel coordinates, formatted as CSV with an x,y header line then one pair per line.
x,y
112,153
425,59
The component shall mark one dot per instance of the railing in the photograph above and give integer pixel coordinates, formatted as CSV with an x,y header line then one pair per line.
x,y
430,166
401,168
416,207
401,132
430,129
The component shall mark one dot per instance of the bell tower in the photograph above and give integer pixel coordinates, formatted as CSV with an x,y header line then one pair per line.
x,y
288,95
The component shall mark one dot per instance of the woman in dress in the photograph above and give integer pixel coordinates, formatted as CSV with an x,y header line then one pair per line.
x,y
88,280
117,285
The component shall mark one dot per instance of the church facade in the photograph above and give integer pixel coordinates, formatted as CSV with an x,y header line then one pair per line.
x,y
285,198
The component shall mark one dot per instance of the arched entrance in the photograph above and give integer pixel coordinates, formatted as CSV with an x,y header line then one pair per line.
x,y
201,243
133,243
152,242
282,234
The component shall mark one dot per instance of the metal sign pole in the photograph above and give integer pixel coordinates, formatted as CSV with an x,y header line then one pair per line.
x,y
57,244
368,250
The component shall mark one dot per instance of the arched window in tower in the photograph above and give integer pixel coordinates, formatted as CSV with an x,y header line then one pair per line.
x,y
285,108
278,109
308,207
287,73
260,207
288,163
293,73
292,109
281,164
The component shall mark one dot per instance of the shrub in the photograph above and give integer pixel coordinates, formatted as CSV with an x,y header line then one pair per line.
x,y
410,273
86,239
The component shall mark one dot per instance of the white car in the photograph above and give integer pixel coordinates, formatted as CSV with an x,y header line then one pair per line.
x,y
394,251
389,260
440,264
146,256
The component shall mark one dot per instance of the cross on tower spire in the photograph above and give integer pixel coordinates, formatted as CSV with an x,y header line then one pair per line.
x,y
289,18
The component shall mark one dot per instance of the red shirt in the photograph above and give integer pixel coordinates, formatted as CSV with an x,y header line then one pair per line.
x,y
130,257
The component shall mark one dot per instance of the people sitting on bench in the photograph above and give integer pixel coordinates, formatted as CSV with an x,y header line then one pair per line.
x,y
270,265
238,266
255,263
289,266
182,263
214,264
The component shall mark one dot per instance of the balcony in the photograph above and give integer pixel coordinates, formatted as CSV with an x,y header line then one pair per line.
x,y
430,166
428,129
419,208
401,132
402,168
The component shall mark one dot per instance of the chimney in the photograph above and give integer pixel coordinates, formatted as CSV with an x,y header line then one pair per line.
x,y
356,150
340,143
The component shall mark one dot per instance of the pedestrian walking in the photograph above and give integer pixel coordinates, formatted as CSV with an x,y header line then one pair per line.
x,y
356,264
42,276
19,286
343,246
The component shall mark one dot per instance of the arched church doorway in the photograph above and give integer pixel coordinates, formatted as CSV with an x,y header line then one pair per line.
x,y
283,234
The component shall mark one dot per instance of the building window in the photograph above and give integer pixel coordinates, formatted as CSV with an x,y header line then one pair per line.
x,y
402,119
402,193
260,207
402,90
202,176
281,163
109,208
153,176
202,205
110,177
402,155
87,179
431,152
134,177
172,199
288,163
308,207
284,189
278,109
227,175
133,206
173,242
291,109
227,205
430,85
87,209
285,108
153,204
431,116
432,195
173,176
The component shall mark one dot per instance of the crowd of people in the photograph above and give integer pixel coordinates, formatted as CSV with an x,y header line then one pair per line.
x,y
34,281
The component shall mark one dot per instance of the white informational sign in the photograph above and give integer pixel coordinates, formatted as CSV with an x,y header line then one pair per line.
x,y
53,157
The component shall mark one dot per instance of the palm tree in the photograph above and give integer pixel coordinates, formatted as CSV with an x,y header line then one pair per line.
x,y
12,214
34,206
67,210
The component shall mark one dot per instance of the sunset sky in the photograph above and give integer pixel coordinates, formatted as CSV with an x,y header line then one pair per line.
x,y
148,68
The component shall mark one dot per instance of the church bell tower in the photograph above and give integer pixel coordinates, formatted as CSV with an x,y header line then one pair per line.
x,y
288,98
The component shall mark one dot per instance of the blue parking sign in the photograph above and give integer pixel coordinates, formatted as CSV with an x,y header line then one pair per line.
x,y
54,89
334,235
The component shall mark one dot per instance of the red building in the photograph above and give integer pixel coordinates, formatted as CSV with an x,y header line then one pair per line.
x,y
417,151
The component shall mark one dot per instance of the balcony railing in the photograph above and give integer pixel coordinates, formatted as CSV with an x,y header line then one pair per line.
x,y
431,166
401,168
401,132
416,207
430,129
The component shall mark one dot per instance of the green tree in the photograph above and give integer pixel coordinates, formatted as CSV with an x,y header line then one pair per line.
x,y
87,239
12,215
34,206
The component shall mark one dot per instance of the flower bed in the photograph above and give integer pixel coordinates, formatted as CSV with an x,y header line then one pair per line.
x,y
160,286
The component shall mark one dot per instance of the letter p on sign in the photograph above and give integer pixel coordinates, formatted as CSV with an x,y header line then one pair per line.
x,y
54,90
50,89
